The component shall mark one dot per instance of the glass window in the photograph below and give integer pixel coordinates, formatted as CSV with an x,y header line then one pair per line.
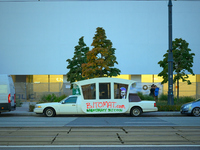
x,y
71,100
104,91
120,90
89,91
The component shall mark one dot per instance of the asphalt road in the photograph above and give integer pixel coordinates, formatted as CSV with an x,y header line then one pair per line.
x,y
99,133
98,121
73,136
21,130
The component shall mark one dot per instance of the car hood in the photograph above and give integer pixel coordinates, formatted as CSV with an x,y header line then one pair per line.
x,y
196,102
187,104
193,102
49,104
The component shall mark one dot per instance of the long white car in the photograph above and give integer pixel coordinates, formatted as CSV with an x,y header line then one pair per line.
x,y
99,96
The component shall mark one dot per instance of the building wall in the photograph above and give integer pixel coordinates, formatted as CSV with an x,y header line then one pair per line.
x,y
124,76
184,89
34,86
136,78
197,78
47,83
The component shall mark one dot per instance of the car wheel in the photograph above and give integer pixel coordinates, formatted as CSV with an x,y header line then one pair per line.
x,y
136,111
49,112
196,111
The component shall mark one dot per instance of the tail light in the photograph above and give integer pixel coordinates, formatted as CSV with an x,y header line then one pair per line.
x,y
154,104
14,98
9,98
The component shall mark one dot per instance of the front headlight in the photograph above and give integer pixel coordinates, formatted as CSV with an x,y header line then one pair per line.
x,y
38,106
188,106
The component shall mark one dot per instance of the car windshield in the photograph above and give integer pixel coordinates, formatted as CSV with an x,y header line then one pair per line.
x,y
197,100
71,99
63,99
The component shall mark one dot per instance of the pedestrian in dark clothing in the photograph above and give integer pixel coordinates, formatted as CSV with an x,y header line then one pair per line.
x,y
152,90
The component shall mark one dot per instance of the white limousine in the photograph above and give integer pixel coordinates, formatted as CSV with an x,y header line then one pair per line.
x,y
99,96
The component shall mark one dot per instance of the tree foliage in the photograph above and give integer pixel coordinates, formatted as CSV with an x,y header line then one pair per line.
x,y
182,63
74,64
101,59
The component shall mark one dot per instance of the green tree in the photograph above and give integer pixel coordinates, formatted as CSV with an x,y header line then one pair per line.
x,y
101,59
182,63
75,69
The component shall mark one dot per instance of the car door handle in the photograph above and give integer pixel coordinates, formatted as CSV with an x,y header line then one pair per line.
x,y
73,105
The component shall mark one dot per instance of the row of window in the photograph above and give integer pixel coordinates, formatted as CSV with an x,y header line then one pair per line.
x,y
120,91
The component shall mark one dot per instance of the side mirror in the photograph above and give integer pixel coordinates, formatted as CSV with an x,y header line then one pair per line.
x,y
63,102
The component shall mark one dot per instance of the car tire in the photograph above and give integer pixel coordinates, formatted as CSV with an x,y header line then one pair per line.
x,y
136,111
49,112
196,111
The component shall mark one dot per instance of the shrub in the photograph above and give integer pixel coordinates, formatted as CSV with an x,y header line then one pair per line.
x,y
52,98
162,104
58,99
48,98
18,103
169,107
163,97
31,107
182,100
144,97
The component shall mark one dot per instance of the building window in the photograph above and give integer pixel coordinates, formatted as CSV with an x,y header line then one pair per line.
x,y
120,91
104,91
89,91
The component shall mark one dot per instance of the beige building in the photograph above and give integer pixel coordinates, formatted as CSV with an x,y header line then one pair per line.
x,y
33,87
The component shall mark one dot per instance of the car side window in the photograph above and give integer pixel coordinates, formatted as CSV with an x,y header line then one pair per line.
x,y
120,90
71,100
104,91
89,91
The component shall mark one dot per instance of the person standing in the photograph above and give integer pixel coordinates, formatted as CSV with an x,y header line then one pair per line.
x,y
152,90
156,92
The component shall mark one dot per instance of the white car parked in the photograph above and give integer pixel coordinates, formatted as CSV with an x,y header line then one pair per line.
x,y
99,96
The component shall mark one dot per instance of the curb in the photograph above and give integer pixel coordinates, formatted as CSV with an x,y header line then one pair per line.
x,y
148,114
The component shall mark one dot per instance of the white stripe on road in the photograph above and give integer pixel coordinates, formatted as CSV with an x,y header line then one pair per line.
x,y
27,146
146,122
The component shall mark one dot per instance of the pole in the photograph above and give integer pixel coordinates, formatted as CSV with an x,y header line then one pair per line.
x,y
25,92
170,58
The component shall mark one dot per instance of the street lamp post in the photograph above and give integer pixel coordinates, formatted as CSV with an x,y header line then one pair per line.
x,y
170,58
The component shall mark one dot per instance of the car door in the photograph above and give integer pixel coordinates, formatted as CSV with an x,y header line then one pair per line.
x,y
69,106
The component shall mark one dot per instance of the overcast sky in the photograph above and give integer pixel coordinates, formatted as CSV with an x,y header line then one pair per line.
x,y
38,37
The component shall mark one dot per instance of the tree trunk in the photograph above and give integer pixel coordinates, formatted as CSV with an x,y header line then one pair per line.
x,y
101,71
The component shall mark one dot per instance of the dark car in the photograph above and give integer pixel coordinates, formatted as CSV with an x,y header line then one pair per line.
x,y
192,108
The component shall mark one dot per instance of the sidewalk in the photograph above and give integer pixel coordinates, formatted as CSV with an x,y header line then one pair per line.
x,y
24,111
